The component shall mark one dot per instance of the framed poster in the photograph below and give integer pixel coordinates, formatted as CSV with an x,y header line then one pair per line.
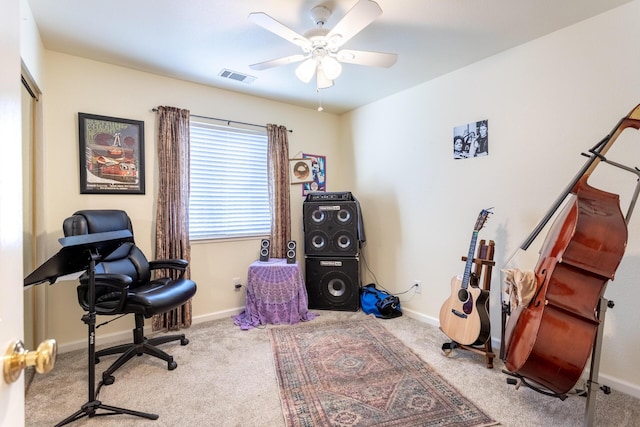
x,y
318,173
300,171
111,155
471,140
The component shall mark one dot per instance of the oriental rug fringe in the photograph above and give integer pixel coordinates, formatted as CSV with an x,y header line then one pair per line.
x,y
352,374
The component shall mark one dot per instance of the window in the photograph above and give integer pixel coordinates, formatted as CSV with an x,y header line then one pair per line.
x,y
229,183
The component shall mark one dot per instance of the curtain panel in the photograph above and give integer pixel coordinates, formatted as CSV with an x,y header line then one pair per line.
x,y
278,171
172,215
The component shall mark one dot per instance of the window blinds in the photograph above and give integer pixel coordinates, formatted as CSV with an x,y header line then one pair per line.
x,y
229,194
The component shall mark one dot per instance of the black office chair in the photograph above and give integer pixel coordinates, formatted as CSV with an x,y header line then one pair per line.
x,y
124,284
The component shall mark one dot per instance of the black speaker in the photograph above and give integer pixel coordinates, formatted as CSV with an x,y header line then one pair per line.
x,y
264,249
333,283
291,252
330,228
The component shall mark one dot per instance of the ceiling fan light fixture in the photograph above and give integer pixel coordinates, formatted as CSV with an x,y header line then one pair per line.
x,y
306,70
331,67
322,81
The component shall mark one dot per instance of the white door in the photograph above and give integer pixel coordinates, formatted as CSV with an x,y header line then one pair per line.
x,y
11,290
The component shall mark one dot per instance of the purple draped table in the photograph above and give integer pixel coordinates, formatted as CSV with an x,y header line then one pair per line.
x,y
276,294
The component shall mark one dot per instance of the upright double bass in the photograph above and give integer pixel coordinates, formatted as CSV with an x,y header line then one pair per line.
x,y
551,339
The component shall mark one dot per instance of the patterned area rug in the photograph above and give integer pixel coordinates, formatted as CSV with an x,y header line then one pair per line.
x,y
357,373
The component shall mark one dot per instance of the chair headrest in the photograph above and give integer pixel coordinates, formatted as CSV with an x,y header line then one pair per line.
x,y
96,221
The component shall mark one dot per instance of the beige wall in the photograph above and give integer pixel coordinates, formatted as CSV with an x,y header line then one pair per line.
x,y
546,102
78,85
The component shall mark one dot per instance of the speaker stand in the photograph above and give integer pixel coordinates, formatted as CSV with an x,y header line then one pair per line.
x,y
90,409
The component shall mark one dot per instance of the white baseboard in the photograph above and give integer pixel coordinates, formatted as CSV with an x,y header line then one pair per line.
x,y
614,383
421,317
124,336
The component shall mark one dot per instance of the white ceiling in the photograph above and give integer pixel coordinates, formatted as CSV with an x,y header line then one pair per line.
x,y
194,40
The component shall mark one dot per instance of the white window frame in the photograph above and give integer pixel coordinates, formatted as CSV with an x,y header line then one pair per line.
x,y
229,188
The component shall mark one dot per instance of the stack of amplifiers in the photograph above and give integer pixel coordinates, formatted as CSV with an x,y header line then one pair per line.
x,y
331,246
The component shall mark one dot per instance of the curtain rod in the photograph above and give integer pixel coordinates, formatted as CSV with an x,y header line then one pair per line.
x,y
225,120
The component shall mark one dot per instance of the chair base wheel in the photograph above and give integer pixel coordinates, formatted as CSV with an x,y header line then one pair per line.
x,y
172,365
184,341
108,379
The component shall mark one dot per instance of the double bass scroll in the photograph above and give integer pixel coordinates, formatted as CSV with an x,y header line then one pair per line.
x,y
598,152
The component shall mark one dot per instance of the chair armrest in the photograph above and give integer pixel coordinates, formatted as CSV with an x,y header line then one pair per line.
x,y
118,281
109,302
173,264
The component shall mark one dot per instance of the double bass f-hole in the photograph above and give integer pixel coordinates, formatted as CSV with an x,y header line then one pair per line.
x,y
543,273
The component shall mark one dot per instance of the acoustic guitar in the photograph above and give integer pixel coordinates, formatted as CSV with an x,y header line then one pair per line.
x,y
464,316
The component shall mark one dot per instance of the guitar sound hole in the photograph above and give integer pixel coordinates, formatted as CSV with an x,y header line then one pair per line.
x,y
463,295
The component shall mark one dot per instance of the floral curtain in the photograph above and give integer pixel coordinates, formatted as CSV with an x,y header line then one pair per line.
x,y
278,170
172,216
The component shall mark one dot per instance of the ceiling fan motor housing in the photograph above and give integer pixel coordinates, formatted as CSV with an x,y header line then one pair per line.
x,y
320,15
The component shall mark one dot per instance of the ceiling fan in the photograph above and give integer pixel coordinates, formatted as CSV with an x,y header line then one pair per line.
x,y
322,54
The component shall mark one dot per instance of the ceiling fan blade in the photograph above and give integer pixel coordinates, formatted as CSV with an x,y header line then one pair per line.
x,y
359,16
361,57
268,23
277,62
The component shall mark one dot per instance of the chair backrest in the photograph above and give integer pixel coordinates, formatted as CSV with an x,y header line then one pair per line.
x,y
127,259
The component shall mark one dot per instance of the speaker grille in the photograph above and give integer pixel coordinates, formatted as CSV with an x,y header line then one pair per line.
x,y
291,251
333,283
265,249
331,228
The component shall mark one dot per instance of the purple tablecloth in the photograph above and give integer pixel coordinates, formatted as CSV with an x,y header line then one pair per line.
x,y
276,294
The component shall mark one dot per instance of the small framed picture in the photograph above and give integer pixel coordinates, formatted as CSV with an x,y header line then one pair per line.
x,y
111,155
471,140
318,182
300,171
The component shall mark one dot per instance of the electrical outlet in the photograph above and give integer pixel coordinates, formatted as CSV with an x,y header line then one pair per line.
x,y
417,286
236,283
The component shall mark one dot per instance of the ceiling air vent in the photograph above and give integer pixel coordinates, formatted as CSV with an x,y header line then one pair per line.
x,y
234,75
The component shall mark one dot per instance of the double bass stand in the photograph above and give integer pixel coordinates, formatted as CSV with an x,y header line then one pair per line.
x,y
81,253
592,381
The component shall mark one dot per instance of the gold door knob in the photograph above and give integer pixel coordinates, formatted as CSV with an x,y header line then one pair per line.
x,y
17,358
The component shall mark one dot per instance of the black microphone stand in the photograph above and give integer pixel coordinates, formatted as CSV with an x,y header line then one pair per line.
x,y
80,253
90,408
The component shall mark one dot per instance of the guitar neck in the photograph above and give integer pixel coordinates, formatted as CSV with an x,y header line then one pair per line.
x,y
467,267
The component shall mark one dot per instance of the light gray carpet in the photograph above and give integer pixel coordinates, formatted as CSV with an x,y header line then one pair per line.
x,y
226,377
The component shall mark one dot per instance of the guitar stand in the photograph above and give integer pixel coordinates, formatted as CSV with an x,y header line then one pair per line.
x,y
592,382
90,408
484,261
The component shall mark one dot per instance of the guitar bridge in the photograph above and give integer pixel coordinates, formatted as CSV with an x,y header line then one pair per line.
x,y
459,314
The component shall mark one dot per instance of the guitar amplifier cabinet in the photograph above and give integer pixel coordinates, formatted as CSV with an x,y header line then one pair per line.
x,y
333,283
331,228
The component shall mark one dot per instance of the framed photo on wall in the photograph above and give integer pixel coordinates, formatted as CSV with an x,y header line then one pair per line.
x,y
111,155
471,140
300,171
318,173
